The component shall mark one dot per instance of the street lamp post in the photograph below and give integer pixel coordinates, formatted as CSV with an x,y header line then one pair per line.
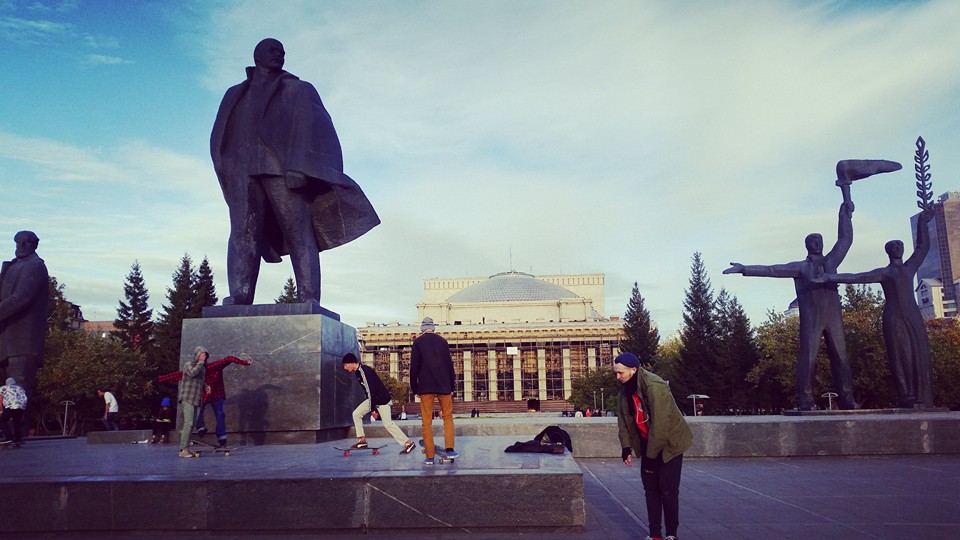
x,y
695,397
830,396
66,409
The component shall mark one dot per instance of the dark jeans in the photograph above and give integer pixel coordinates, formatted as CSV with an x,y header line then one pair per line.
x,y
661,487
110,422
16,415
218,414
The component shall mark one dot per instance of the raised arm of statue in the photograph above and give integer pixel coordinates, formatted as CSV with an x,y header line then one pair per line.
x,y
923,241
844,236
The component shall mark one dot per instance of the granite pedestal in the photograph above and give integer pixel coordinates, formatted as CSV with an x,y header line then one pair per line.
x,y
68,485
296,390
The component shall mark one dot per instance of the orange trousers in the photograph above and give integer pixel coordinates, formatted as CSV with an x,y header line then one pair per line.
x,y
426,420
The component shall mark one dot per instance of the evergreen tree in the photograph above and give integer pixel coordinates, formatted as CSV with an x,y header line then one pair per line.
x,y
133,324
204,290
699,335
169,327
640,334
289,294
737,355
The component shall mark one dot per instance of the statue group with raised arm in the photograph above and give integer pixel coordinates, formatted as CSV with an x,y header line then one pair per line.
x,y
815,279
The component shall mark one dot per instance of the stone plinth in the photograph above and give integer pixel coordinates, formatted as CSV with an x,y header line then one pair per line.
x,y
296,389
304,489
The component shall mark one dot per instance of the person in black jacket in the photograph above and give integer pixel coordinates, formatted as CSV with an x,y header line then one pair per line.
x,y
431,377
377,404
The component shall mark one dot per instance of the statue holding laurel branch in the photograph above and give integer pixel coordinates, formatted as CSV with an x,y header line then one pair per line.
x,y
904,332
819,301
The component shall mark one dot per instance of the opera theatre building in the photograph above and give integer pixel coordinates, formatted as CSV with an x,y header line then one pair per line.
x,y
517,340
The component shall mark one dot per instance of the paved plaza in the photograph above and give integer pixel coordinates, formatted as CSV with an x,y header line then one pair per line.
x,y
751,498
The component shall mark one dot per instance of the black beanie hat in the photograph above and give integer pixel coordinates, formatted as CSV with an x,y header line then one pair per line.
x,y
349,358
628,359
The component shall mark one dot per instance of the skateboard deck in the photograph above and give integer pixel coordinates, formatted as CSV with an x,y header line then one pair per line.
x,y
375,450
7,445
225,450
440,456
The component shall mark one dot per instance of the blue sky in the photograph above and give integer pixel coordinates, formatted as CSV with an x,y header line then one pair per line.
x,y
566,136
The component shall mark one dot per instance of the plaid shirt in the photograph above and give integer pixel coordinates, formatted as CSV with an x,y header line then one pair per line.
x,y
213,378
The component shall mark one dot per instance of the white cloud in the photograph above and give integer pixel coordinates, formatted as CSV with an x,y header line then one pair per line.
x,y
99,59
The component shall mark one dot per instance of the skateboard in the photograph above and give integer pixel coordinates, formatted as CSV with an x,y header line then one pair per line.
x,y
346,451
439,455
225,450
9,445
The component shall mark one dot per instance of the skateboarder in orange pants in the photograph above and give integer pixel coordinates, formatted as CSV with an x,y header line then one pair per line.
x,y
376,405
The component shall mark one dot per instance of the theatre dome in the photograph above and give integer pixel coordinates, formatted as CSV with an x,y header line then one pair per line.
x,y
511,287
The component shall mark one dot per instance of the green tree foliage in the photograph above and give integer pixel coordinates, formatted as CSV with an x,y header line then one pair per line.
x,y
944,337
169,327
667,362
289,294
737,355
204,290
76,363
398,390
640,335
774,375
873,385
133,324
600,385
698,372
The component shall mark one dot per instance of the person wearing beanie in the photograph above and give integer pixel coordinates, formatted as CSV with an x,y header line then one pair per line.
x,y
376,405
652,427
162,423
432,378
191,392
13,402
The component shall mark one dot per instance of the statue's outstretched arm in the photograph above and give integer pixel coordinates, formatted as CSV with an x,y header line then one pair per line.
x,y
789,270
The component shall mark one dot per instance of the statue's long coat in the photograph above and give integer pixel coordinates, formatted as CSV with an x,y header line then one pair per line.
x,y
295,125
24,288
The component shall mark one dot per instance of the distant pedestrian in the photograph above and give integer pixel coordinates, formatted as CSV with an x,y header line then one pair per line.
x,y
432,378
13,403
191,393
110,410
652,426
162,423
376,405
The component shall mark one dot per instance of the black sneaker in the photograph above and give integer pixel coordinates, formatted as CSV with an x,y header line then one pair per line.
x,y
407,448
201,431
222,443
359,444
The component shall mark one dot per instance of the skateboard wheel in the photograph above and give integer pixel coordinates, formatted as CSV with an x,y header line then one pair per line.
x,y
376,452
346,454
226,454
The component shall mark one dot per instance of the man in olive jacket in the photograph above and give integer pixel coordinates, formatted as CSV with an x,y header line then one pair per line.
x,y
651,425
